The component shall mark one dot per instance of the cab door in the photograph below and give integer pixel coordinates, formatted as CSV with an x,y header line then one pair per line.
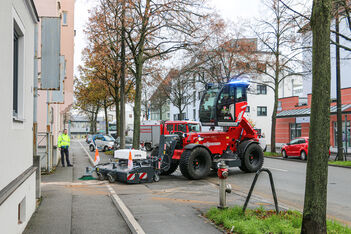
x,y
226,106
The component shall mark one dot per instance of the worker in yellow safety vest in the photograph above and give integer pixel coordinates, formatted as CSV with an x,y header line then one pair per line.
x,y
63,144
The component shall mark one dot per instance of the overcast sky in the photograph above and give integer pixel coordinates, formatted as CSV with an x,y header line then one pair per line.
x,y
229,9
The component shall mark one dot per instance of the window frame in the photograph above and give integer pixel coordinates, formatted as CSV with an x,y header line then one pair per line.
x,y
261,89
18,87
259,111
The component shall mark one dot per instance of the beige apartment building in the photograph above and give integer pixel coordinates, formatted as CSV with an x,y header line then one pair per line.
x,y
53,115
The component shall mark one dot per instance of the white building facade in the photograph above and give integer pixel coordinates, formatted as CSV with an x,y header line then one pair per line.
x,y
17,174
345,59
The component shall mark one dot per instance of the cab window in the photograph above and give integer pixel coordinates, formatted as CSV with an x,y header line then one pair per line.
x,y
294,142
240,94
169,127
227,95
194,128
182,128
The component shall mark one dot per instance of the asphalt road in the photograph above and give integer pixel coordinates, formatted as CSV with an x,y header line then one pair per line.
x,y
289,178
175,193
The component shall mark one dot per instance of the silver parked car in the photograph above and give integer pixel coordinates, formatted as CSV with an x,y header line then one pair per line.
x,y
102,142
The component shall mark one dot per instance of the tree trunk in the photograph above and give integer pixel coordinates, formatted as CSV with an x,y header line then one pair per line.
x,y
338,93
123,64
91,119
274,117
117,117
160,112
95,120
106,117
314,212
137,103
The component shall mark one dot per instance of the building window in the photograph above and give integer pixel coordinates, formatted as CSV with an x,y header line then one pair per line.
x,y
295,130
261,89
15,72
18,56
248,109
279,106
261,111
175,117
194,114
64,18
21,217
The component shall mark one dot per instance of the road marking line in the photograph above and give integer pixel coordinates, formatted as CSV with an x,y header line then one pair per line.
x,y
277,169
133,225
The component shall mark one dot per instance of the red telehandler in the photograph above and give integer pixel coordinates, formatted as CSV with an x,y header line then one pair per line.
x,y
237,145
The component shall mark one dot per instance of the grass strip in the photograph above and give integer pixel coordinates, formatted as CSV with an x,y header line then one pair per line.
x,y
111,152
264,221
341,163
271,154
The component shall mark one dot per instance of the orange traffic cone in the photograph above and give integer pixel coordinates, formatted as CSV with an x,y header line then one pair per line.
x,y
130,161
97,157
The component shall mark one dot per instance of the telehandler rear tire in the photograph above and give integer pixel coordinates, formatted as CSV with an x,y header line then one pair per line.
x,y
253,159
195,164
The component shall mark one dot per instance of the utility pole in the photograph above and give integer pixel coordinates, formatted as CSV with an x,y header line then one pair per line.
x,y
338,89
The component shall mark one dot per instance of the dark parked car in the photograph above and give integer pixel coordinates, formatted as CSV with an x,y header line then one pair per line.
x,y
129,143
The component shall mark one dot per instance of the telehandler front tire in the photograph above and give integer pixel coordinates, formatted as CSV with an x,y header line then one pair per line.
x,y
253,158
195,164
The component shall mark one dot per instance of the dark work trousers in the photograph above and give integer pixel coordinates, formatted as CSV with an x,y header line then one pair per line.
x,y
63,152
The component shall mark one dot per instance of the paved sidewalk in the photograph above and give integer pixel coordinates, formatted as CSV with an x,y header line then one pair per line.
x,y
70,205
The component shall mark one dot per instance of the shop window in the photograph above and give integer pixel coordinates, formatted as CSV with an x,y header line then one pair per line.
x,y
344,136
295,130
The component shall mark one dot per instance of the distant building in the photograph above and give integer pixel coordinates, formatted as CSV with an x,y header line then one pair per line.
x,y
293,120
17,174
80,126
54,115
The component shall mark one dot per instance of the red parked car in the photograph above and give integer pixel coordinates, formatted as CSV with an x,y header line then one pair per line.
x,y
296,147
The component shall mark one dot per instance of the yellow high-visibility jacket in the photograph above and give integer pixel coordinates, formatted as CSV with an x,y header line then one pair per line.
x,y
63,141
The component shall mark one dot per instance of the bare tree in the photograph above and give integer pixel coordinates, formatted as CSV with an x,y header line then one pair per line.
x,y
278,37
154,30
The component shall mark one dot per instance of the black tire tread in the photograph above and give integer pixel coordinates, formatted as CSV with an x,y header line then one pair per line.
x,y
243,164
184,164
173,167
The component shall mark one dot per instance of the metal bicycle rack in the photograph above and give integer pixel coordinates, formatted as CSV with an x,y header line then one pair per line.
x,y
253,186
